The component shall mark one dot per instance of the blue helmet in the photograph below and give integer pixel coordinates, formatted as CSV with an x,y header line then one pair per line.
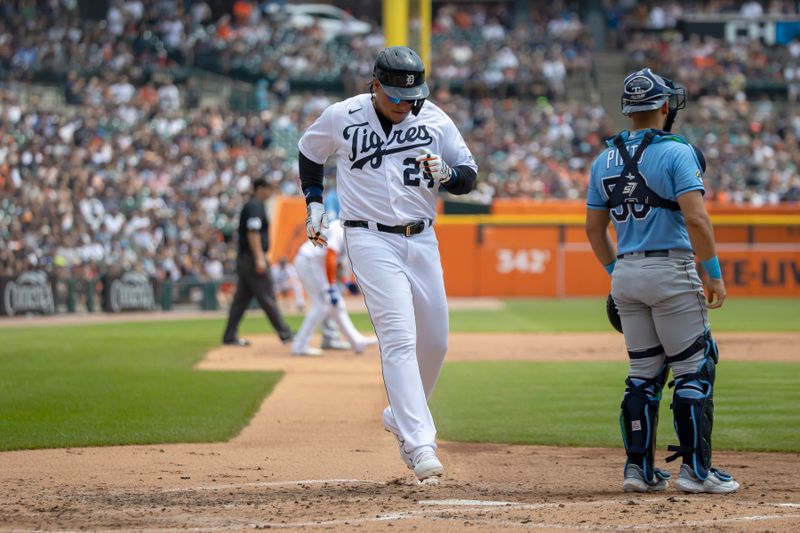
x,y
644,90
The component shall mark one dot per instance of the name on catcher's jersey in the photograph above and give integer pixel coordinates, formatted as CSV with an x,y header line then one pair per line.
x,y
670,168
377,176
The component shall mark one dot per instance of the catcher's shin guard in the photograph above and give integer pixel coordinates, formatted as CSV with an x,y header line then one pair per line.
x,y
638,420
693,412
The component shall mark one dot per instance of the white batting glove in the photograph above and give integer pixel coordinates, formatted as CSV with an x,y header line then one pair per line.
x,y
434,166
316,222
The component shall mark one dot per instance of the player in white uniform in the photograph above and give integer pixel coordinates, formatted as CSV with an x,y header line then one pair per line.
x,y
316,268
284,277
393,151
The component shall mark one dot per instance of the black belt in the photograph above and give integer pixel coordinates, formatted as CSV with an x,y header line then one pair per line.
x,y
648,253
408,230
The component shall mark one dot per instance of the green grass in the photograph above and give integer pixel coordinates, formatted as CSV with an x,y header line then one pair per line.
x,y
577,404
588,314
112,384
134,384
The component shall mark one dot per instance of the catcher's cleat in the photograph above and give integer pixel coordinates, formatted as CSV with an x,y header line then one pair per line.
x,y
635,482
717,482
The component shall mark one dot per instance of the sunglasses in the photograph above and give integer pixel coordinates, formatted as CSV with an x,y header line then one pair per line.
x,y
394,100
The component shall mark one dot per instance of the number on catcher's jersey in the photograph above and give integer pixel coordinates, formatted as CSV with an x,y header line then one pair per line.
x,y
623,211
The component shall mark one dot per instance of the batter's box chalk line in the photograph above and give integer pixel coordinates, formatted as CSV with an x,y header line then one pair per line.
x,y
450,509
443,509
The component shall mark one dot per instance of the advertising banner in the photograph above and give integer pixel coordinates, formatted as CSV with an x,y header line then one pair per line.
x,y
132,291
771,31
509,260
29,292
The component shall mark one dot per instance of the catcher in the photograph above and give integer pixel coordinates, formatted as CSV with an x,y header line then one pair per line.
x,y
649,183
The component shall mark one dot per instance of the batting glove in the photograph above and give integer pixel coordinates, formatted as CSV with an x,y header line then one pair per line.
x,y
434,166
316,222
333,295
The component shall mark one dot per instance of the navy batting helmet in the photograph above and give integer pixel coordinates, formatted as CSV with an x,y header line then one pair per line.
x,y
644,90
401,73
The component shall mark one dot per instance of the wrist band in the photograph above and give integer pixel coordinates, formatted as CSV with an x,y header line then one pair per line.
x,y
712,267
312,194
610,267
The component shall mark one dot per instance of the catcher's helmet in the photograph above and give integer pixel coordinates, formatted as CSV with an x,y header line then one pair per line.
x,y
644,90
401,73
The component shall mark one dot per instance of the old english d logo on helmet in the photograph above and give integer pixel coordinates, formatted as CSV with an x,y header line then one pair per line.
x,y
401,73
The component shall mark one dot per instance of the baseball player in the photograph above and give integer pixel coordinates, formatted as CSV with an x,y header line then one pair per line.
x,y
284,277
317,268
394,150
649,183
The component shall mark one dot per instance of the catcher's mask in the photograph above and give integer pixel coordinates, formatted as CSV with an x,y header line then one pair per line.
x,y
401,74
645,90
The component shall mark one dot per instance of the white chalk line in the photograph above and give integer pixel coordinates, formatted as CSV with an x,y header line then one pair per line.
x,y
488,506
661,525
435,508
470,503
467,505
433,514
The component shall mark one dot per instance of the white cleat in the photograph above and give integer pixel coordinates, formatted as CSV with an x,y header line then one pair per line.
x,y
335,345
427,465
368,341
717,482
308,352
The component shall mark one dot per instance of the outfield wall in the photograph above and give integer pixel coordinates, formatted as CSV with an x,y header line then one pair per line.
x,y
538,249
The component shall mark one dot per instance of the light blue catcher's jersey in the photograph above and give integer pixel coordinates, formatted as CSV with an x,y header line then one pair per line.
x,y
670,168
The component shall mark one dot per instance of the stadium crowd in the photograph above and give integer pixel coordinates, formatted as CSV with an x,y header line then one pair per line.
x,y
709,66
137,172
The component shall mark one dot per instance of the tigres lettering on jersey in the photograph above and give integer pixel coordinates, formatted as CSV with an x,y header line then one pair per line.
x,y
366,141
378,177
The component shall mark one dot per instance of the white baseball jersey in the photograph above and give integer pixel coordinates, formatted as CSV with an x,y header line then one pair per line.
x,y
335,235
378,177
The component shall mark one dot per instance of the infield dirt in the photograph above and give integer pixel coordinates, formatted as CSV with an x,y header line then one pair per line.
x,y
315,457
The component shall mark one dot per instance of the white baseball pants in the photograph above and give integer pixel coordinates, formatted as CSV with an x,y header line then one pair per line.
x,y
403,286
315,282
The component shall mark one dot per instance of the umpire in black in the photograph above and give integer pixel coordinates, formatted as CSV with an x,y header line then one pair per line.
x,y
253,269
